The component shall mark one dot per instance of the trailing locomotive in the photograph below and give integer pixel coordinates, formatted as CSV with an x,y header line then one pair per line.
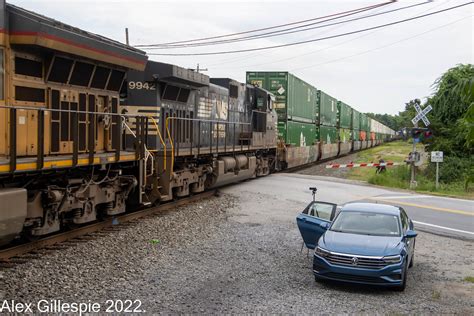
x,y
89,128
203,132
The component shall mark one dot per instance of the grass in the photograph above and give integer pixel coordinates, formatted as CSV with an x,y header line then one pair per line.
x,y
399,176
469,279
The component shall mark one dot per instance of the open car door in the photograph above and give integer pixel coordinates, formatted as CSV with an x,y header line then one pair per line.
x,y
314,221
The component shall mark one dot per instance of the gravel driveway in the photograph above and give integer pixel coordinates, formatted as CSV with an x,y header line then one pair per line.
x,y
236,253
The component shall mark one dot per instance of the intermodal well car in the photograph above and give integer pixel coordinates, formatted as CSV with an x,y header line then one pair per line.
x,y
364,243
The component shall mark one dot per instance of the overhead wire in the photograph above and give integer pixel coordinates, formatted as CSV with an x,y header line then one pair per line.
x,y
383,46
261,29
329,47
254,55
312,40
296,29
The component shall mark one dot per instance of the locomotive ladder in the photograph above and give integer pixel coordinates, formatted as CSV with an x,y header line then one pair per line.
x,y
145,169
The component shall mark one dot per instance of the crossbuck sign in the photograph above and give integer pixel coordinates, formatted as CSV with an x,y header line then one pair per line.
x,y
421,114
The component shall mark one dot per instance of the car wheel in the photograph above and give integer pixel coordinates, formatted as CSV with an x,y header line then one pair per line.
x,y
402,286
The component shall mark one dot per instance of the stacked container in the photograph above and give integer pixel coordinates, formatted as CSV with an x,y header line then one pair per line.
x,y
327,118
344,123
355,125
295,105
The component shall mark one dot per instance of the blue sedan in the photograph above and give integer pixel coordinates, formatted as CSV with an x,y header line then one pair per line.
x,y
364,243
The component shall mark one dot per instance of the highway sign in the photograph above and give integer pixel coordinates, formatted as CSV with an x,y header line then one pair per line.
x,y
436,156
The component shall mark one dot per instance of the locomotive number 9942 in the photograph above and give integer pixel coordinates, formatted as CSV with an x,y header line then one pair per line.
x,y
139,85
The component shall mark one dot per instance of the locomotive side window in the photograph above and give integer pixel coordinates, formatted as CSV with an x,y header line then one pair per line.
x,y
233,91
183,95
60,70
101,75
115,81
81,74
171,93
28,67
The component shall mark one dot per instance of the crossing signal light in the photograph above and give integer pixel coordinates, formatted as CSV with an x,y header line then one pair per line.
x,y
417,132
421,133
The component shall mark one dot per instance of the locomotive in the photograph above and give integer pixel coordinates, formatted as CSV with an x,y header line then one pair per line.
x,y
90,128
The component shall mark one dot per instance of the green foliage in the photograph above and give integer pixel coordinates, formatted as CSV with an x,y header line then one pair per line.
x,y
452,169
451,98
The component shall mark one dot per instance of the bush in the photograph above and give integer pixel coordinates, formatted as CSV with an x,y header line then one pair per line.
x,y
453,169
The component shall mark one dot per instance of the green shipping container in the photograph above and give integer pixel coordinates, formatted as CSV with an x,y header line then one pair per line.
x,y
364,122
328,134
355,119
344,115
298,134
295,98
355,134
344,135
327,109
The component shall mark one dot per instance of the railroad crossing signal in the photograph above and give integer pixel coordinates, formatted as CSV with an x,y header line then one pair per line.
x,y
421,114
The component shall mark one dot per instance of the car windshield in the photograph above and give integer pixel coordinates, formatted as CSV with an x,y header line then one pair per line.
x,y
367,223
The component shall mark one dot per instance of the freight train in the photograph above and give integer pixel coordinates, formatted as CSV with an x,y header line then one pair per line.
x,y
90,128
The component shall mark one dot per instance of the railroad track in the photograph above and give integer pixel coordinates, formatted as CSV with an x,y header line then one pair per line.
x,y
23,249
18,252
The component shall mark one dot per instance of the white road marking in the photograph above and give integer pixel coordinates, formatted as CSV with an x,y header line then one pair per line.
x,y
446,228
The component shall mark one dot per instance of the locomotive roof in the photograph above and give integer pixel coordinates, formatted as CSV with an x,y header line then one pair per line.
x,y
27,27
176,74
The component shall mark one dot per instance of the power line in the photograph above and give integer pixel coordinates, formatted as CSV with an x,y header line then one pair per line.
x,y
291,30
383,46
312,40
324,48
253,55
265,28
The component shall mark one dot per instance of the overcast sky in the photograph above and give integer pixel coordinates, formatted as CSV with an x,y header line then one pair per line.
x,y
377,71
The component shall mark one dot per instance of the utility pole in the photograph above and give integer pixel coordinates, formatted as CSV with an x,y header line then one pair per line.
x,y
126,36
412,180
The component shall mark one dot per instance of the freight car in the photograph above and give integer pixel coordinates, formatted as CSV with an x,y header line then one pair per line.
x,y
90,128
313,125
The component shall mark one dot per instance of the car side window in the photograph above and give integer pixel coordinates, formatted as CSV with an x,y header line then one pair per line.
x,y
404,219
322,211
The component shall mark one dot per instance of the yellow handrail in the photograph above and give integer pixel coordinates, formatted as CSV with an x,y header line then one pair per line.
x,y
161,139
171,143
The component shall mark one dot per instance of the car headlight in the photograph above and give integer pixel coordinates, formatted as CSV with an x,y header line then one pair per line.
x,y
392,259
321,252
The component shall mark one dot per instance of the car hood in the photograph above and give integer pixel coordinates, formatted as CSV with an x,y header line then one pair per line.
x,y
358,244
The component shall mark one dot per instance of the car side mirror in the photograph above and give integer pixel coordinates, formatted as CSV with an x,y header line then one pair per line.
x,y
324,225
410,234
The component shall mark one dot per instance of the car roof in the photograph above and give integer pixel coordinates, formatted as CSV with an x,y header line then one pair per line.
x,y
371,207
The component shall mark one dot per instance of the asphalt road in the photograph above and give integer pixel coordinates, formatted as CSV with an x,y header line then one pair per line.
x,y
446,216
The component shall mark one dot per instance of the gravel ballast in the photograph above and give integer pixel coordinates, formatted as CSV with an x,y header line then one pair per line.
x,y
237,253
